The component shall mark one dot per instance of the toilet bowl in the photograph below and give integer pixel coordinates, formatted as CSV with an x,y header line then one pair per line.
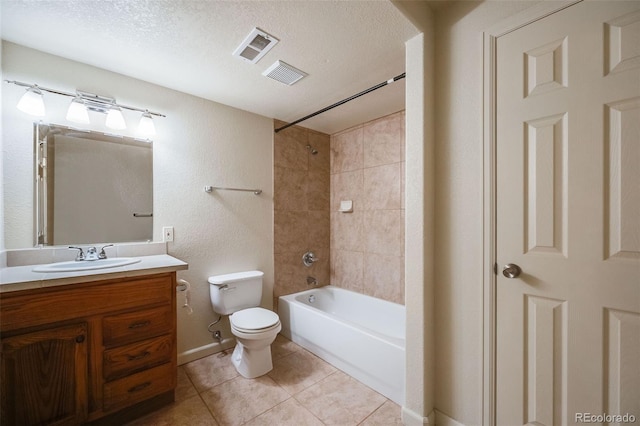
x,y
254,328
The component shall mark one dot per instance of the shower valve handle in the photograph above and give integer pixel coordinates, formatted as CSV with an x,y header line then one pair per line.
x,y
309,258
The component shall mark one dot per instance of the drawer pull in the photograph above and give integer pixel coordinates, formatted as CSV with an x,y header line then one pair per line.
x,y
140,356
139,387
139,324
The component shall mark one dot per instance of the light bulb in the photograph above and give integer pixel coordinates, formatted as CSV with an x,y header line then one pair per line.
x,y
146,126
77,111
115,120
32,102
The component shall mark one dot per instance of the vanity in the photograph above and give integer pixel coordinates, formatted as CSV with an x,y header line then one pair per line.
x,y
95,346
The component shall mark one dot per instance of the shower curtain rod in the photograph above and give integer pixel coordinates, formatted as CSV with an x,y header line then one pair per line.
x,y
344,101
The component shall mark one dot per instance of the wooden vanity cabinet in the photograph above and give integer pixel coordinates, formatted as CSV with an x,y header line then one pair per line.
x,y
88,352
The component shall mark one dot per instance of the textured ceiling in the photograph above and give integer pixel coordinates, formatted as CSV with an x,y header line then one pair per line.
x,y
187,45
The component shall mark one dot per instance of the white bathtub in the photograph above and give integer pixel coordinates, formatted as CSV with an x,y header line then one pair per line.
x,y
361,335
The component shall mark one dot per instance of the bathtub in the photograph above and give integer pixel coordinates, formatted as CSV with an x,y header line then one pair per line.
x,y
361,335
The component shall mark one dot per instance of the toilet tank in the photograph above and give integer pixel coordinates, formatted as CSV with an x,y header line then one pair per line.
x,y
233,292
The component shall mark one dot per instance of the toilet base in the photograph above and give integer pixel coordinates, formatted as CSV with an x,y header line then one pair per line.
x,y
252,363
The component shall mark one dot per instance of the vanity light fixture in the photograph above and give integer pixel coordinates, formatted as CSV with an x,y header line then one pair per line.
x,y
146,126
32,103
115,119
77,111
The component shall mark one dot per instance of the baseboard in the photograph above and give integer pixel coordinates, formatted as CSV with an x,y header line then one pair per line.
x,y
444,420
411,418
206,350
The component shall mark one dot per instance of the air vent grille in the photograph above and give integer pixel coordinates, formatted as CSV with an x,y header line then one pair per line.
x,y
255,46
284,73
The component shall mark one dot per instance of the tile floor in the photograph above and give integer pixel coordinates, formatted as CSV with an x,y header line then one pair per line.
x,y
301,390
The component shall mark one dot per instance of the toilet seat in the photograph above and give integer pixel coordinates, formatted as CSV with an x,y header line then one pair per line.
x,y
254,320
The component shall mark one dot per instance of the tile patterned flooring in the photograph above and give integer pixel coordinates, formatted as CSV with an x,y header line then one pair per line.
x,y
301,390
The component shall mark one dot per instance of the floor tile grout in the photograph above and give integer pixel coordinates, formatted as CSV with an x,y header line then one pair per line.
x,y
320,374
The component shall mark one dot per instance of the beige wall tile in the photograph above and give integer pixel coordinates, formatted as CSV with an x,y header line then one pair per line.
x,y
290,231
319,230
382,187
347,231
301,208
290,189
383,277
347,186
347,270
318,183
376,187
289,148
347,151
403,180
320,142
364,164
383,140
384,232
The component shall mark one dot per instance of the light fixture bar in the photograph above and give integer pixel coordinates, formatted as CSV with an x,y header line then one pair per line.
x,y
94,102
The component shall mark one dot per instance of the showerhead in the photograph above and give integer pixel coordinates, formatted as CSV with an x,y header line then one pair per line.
x,y
312,150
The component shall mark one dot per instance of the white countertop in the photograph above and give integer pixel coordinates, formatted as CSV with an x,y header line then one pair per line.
x,y
17,278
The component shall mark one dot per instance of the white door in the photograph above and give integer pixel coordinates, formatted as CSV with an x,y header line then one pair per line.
x,y
568,214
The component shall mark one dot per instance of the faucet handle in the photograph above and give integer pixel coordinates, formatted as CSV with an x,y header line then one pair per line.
x,y
103,254
80,255
309,258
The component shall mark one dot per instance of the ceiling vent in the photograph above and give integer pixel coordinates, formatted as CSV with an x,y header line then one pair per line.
x,y
255,46
284,73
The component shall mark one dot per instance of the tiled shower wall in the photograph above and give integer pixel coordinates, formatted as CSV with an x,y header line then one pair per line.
x,y
363,250
301,208
367,246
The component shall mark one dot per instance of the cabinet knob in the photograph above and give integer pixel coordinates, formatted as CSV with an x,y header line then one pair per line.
x,y
80,338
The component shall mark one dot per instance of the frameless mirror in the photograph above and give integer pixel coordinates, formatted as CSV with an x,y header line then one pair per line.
x,y
91,187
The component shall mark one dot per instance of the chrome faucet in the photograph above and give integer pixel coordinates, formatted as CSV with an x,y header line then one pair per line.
x,y
92,253
312,281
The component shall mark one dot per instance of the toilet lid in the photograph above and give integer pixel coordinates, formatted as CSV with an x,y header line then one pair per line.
x,y
254,319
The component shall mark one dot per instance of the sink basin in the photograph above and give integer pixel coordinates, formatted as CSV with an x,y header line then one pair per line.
x,y
86,265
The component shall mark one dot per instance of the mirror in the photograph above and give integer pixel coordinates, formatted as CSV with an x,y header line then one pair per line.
x,y
91,187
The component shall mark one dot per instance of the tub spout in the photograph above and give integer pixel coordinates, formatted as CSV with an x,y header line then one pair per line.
x,y
312,281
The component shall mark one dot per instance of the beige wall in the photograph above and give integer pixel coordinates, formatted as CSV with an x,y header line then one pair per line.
x,y
459,204
199,143
367,245
419,229
301,208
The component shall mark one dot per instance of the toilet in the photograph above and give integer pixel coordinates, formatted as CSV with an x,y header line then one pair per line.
x,y
255,328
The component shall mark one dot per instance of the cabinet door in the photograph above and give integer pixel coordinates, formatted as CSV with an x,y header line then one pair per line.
x,y
44,377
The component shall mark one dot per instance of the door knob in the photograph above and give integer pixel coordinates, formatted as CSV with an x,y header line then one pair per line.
x,y
511,270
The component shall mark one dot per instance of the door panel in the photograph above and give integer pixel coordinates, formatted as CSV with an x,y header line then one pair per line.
x,y
568,213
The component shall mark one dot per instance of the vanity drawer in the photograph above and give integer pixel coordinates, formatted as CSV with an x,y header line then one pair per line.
x,y
125,360
60,303
139,325
138,387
